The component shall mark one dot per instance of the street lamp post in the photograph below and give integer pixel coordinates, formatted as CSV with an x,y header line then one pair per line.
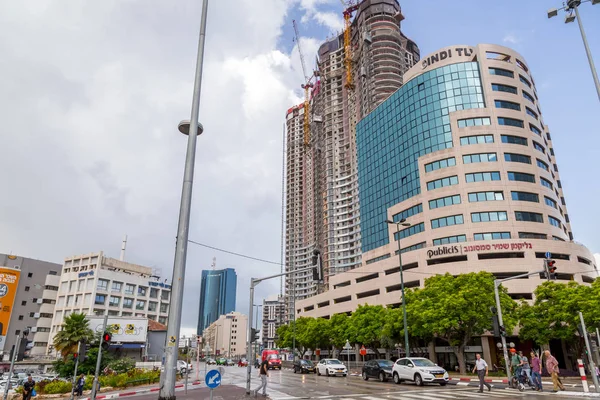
x,y
192,129
402,222
573,6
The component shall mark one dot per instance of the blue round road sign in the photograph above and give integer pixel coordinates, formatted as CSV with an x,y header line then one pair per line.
x,y
548,254
213,378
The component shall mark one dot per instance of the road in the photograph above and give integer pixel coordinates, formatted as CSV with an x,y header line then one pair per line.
x,y
285,385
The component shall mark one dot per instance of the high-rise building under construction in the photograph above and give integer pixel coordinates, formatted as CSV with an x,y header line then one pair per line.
x,y
357,70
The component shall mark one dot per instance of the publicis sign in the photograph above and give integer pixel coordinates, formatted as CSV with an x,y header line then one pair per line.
x,y
460,249
446,54
9,281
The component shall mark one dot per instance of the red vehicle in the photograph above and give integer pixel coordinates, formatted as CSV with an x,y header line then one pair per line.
x,y
272,358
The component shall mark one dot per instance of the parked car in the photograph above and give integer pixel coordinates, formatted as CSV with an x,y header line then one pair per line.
x,y
229,362
211,361
183,367
303,366
243,363
419,370
381,369
331,366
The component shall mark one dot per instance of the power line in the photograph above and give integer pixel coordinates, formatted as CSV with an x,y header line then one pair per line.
x,y
234,253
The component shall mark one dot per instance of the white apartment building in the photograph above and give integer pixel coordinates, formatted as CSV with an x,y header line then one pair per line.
x,y
273,317
94,284
227,335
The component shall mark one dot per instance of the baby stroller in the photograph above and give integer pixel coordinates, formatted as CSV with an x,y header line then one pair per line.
x,y
520,380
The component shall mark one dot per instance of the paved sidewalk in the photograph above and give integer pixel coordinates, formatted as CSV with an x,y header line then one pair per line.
x,y
224,392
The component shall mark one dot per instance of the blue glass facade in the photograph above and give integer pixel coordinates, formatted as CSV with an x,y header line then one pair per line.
x,y
217,296
412,122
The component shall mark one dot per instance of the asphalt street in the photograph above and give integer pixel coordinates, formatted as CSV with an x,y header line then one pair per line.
x,y
285,385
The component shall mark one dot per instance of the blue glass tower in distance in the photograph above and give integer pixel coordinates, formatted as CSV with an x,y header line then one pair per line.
x,y
217,296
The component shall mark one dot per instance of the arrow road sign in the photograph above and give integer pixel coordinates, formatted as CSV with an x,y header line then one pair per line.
x,y
213,378
548,255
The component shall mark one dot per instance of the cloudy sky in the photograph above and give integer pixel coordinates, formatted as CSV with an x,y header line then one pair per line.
x,y
91,94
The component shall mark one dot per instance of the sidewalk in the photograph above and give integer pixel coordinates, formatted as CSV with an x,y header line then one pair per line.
x,y
223,392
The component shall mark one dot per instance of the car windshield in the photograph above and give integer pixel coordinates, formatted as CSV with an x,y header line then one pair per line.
x,y
307,362
273,357
333,362
385,363
422,362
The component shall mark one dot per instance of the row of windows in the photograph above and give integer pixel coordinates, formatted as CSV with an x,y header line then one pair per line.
x,y
482,139
409,212
489,216
463,123
476,139
482,177
447,221
511,122
507,104
447,162
450,239
485,196
442,182
481,157
525,196
513,157
444,202
412,230
491,236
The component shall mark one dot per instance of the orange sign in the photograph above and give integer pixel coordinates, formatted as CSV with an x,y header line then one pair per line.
x,y
318,352
9,281
363,351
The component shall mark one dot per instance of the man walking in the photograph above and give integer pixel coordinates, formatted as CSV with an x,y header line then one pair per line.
x,y
536,371
263,372
552,367
482,370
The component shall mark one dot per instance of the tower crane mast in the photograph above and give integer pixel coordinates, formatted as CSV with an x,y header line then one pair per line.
x,y
306,86
351,6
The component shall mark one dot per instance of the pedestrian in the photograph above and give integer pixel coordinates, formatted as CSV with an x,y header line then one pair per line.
x,y
552,367
525,367
536,371
263,372
80,385
482,370
28,388
515,364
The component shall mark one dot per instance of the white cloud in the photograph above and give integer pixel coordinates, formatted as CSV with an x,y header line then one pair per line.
x,y
331,20
510,38
91,98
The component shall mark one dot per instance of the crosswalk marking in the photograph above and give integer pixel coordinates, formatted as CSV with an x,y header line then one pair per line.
x,y
419,396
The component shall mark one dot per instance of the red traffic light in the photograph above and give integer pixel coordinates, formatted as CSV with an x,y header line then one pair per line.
x,y
551,266
106,337
75,355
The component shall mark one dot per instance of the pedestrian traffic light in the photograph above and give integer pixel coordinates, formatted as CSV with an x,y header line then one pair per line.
x,y
502,330
495,321
318,266
106,338
254,335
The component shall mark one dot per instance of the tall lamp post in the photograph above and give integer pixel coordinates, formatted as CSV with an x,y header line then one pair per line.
x,y
572,7
192,129
398,224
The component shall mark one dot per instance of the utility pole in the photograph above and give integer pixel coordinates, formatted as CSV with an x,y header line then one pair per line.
x,y
590,357
98,361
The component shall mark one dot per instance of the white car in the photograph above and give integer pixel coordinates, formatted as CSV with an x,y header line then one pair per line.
x,y
331,366
419,370
183,367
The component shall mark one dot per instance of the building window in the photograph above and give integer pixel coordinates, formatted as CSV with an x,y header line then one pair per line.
x,y
545,182
100,299
482,177
127,303
532,235
525,81
480,157
152,305
164,295
164,307
140,305
489,216
550,202
510,122
529,111
102,284
24,302
554,222
445,163
412,248
27,288
463,123
501,72
486,196
491,236
512,157
476,139
444,201
438,183
116,287
376,259
114,301
142,290
409,212
20,318
504,88
162,320
542,165
446,221
528,96
528,216
30,275
129,289
449,239
525,196
539,147
412,230
514,139
507,104
535,130
153,293
521,177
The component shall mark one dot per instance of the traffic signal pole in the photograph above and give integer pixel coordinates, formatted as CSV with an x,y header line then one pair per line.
x,y
253,283
95,384
590,357
75,370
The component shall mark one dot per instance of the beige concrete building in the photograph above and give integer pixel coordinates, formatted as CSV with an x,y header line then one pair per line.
x,y
462,152
227,335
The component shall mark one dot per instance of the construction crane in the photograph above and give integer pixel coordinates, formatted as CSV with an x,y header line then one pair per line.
x,y
351,6
306,86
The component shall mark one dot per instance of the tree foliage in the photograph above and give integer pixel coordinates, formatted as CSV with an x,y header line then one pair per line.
x,y
75,328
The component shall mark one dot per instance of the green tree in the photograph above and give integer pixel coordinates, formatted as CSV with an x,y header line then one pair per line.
x,y
457,308
338,330
65,367
75,328
284,338
366,325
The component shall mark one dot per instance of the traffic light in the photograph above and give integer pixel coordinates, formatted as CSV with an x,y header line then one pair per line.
x,y
551,269
318,266
83,348
495,322
106,338
75,356
502,330
254,335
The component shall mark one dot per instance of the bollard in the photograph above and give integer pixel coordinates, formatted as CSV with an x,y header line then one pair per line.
x,y
586,389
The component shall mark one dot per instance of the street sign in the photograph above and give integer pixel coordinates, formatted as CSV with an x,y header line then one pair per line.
x,y
548,255
213,379
363,351
172,341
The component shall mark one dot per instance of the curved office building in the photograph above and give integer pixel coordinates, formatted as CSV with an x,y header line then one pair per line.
x,y
462,152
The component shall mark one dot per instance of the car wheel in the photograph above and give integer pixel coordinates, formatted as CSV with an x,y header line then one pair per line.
x,y
318,372
294,369
382,377
345,375
397,379
183,371
326,372
442,383
365,377
418,380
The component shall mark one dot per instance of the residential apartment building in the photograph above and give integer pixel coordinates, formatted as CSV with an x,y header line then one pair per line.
x,y
323,210
227,335
29,288
273,317
217,296
460,151
94,284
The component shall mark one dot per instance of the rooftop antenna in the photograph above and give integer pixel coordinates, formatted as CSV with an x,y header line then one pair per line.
x,y
123,246
214,263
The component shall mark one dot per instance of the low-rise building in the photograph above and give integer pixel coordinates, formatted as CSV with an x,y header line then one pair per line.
x,y
227,335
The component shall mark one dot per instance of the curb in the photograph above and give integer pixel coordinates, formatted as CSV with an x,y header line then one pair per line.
x,y
136,392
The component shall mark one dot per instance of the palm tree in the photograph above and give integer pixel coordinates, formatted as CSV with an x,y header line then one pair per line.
x,y
74,329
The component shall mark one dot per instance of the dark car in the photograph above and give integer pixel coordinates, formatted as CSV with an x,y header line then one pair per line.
x,y
303,366
380,369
